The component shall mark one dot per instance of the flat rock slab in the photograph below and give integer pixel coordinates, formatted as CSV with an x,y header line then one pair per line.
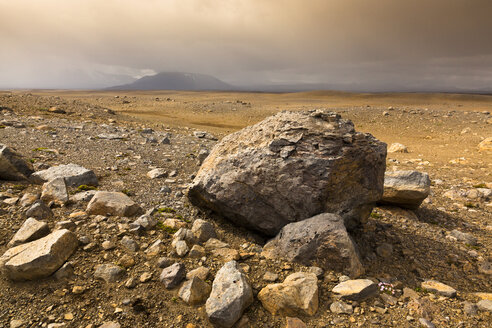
x,y
231,295
322,239
406,189
290,167
12,165
194,291
297,295
172,276
438,287
357,289
75,175
39,258
30,230
112,203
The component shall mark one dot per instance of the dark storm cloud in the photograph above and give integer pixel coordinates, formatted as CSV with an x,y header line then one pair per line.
x,y
353,44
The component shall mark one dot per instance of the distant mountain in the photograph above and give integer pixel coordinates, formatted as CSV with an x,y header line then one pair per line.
x,y
175,81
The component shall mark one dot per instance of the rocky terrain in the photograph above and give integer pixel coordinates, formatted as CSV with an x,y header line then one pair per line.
x,y
112,240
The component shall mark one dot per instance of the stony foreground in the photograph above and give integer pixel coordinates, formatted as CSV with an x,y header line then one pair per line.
x,y
422,267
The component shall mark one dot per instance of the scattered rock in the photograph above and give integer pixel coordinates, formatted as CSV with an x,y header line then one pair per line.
x,y
39,210
384,250
356,290
485,305
197,252
297,295
340,307
110,324
30,230
39,258
231,295
322,239
173,275
12,165
330,168
112,203
194,291
109,272
397,148
294,323
439,287
181,248
270,276
426,323
200,272
55,190
75,175
407,189
467,238
203,230
485,145
129,244
157,173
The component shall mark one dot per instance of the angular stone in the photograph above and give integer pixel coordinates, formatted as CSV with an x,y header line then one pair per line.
x,y
439,287
290,167
294,323
356,290
322,239
109,272
30,230
397,148
28,199
12,165
157,173
129,244
112,203
231,295
194,291
181,248
39,210
197,252
84,196
200,272
173,275
485,305
297,295
39,258
203,230
340,307
55,190
213,243
75,175
406,189
226,254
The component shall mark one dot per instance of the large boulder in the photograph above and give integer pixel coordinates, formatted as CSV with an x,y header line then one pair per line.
x,y
231,295
39,258
406,189
12,166
75,175
322,239
290,167
112,203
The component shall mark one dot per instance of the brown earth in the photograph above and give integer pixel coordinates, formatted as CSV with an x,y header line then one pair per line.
x,y
441,132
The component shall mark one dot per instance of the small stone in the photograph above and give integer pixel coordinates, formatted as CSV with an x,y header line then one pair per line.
x,y
15,323
226,254
317,271
129,244
270,276
294,323
109,272
173,275
426,323
65,272
438,287
465,237
55,190
77,290
357,289
157,173
164,262
108,245
68,316
194,291
397,148
485,267
340,307
39,210
409,293
200,272
203,230
110,324
485,305
154,249
30,230
181,248
145,277
112,203
213,243
470,308
126,261
197,251
384,250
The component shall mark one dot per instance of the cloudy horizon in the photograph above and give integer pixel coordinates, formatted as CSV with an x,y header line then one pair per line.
x,y
344,44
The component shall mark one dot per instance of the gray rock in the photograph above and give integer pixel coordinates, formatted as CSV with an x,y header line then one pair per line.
x,y
356,290
144,221
75,175
112,203
426,323
322,239
110,136
65,272
203,230
464,237
200,272
231,295
55,190
164,262
197,252
157,173
406,189
12,165
30,230
129,244
39,258
184,234
39,210
470,308
173,275
194,291
28,199
270,276
84,196
109,272
213,244
202,155
181,248
290,167
340,307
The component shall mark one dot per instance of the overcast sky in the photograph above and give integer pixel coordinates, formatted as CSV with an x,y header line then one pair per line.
x,y
350,44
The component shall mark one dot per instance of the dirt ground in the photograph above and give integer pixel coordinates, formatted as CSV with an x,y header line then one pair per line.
x,y
440,131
